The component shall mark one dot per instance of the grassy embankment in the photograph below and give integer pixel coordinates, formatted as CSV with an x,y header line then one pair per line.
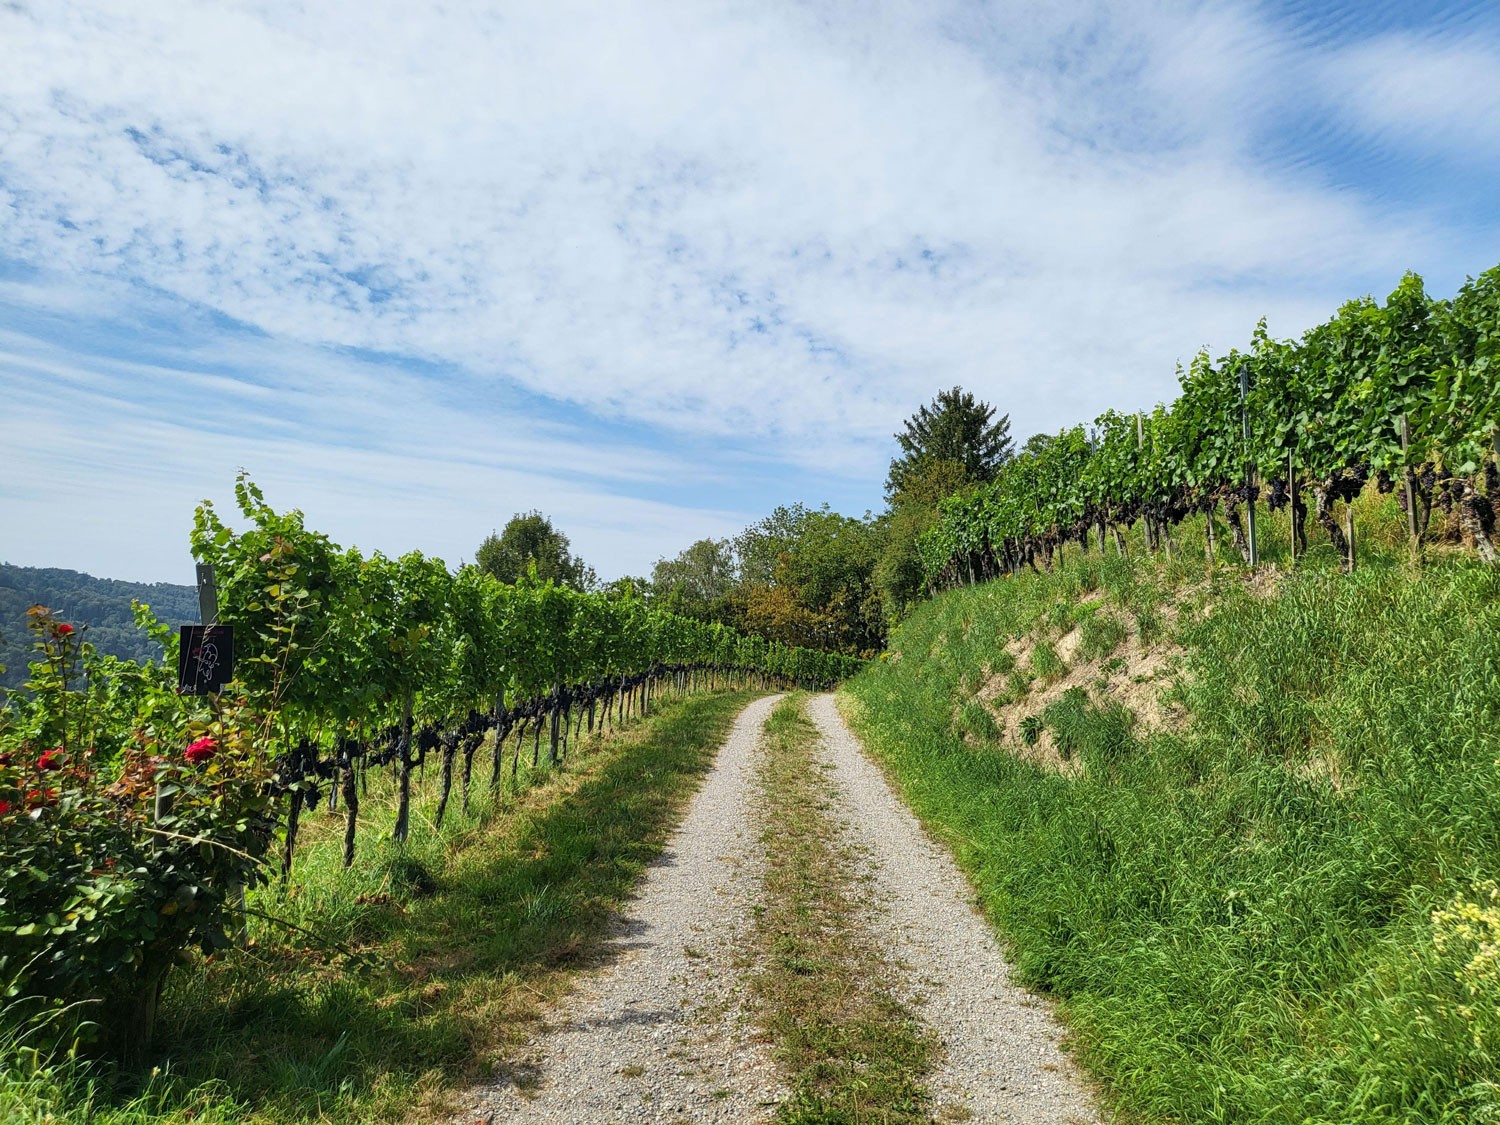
x,y
851,1051
1245,830
463,933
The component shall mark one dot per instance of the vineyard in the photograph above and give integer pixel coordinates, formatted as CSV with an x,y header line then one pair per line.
x,y
135,818
1406,393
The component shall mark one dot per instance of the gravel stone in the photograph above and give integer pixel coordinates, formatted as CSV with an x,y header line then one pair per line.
x,y
661,1033
1002,1060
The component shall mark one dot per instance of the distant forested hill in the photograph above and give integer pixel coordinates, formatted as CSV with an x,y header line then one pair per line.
x,y
102,604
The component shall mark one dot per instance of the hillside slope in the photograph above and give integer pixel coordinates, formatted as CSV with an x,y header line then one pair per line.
x,y
1246,829
103,604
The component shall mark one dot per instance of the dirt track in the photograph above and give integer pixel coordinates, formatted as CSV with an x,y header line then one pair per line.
x,y
662,1033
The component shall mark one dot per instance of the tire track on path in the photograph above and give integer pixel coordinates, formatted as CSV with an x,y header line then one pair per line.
x,y
660,1034
1002,1061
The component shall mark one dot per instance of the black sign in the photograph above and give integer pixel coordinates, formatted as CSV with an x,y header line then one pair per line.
x,y
205,658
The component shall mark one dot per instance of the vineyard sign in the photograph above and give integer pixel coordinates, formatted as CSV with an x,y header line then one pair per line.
x,y
205,658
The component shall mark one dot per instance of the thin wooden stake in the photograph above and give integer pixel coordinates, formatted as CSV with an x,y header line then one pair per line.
x,y
1408,486
1291,497
1349,533
1245,452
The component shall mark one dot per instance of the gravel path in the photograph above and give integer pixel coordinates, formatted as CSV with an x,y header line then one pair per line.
x,y
1001,1060
660,1035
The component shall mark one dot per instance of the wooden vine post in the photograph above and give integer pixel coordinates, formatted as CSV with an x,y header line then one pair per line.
x,y
403,775
1291,499
1140,444
1349,534
1245,453
1408,485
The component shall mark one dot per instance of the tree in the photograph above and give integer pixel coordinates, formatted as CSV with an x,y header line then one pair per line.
x,y
1037,444
898,576
696,582
627,588
829,567
805,573
760,546
531,538
956,428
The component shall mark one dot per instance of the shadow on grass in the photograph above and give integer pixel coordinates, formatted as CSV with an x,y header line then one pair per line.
x,y
288,1034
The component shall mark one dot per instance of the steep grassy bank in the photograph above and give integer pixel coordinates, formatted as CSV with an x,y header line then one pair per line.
x,y
458,936
1245,830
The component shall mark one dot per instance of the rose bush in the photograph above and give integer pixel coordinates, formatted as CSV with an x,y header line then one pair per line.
x,y
115,859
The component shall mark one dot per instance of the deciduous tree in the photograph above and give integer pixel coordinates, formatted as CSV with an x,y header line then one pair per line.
x,y
530,538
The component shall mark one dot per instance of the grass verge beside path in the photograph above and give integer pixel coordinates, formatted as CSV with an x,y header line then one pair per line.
x,y
1280,909
851,1050
464,933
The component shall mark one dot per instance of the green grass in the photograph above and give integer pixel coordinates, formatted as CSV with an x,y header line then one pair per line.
x,y
851,1051
462,933
1045,663
1099,635
1252,918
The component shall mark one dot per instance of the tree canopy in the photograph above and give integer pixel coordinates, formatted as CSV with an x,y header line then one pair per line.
x,y
697,581
955,428
528,539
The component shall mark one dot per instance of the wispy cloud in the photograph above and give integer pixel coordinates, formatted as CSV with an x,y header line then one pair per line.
x,y
1424,92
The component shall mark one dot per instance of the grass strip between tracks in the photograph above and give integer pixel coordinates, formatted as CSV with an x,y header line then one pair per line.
x,y
852,1051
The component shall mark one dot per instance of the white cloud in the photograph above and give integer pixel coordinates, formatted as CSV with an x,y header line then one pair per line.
x,y
114,454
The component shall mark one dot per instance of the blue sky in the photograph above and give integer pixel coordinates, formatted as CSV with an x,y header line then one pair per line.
x,y
655,268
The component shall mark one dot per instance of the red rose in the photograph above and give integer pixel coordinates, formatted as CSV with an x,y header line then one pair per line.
x,y
51,760
201,751
40,798
63,630
4,807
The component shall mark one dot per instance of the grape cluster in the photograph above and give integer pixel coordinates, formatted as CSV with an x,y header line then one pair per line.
x,y
347,751
1349,483
1383,482
1279,496
301,762
391,745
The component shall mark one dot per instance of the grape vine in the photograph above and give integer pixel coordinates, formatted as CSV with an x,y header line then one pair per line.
x,y
370,661
1406,392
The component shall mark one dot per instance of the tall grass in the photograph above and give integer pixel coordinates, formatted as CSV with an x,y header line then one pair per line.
x,y
1281,911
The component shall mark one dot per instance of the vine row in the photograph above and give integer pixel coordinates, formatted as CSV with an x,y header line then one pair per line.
x,y
370,661
1404,392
